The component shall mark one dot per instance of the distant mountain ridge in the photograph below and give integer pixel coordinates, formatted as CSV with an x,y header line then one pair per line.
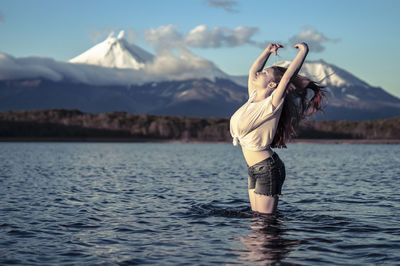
x,y
115,75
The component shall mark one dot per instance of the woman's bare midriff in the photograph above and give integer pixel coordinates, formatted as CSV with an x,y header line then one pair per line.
x,y
253,157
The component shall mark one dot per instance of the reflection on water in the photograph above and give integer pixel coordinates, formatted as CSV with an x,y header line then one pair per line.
x,y
266,243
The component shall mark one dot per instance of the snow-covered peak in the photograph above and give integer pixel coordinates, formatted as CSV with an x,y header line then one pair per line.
x,y
330,75
121,34
115,52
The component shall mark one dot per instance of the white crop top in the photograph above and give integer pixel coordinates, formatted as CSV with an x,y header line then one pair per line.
x,y
254,124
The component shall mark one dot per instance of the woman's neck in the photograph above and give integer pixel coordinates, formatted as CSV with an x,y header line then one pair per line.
x,y
261,94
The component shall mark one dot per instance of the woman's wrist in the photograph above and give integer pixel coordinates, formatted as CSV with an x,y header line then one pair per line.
x,y
305,48
302,46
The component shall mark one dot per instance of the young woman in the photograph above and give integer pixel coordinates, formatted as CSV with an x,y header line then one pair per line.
x,y
278,100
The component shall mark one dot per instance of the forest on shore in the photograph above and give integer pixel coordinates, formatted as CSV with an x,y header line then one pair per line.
x,y
74,125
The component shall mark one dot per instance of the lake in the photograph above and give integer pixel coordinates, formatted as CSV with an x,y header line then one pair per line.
x,y
187,203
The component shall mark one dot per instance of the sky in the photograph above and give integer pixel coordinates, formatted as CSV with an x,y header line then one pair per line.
x,y
362,37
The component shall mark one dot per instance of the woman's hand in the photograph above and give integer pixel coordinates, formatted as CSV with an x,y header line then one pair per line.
x,y
273,48
301,46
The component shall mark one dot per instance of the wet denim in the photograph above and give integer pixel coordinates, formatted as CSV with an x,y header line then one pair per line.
x,y
267,176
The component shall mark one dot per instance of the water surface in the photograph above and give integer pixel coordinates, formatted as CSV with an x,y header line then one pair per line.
x,y
160,203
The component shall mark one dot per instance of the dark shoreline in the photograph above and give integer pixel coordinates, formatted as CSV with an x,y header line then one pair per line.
x,y
154,140
59,125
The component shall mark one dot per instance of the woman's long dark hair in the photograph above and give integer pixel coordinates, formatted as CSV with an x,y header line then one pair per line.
x,y
297,105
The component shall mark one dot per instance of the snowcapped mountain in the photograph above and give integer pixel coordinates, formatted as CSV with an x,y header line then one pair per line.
x,y
115,52
330,75
115,75
344,90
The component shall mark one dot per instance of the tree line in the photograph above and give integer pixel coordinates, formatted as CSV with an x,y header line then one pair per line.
x,y
62,124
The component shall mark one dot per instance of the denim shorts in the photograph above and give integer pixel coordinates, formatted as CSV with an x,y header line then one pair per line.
x,y
267,176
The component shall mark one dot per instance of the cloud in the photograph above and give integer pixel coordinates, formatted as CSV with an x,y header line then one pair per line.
x,y
185,65
203,37
173,60
164,37
166,66
1,16
168,37
48,68
313,38
227,5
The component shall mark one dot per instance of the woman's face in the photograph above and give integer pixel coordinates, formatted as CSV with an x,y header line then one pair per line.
x,y
263,78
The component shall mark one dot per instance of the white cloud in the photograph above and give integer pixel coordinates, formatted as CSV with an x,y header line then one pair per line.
x,y
41,67
203,37
168,37
166,66
313,38
227,5
164,37
185,65
175,61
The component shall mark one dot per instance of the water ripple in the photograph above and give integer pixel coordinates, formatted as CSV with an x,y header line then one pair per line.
x,y
154,203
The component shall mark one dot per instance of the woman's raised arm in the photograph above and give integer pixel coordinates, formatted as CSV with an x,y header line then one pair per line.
x,y
290,73
259,63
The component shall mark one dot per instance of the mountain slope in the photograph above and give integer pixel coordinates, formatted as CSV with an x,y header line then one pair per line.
x,y
190,97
